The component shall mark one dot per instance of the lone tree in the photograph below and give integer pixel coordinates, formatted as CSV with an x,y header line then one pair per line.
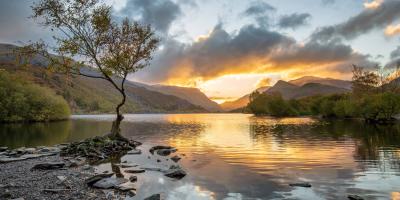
x,y
86,31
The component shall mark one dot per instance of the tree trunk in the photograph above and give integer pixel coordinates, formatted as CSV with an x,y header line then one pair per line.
x,y
115,129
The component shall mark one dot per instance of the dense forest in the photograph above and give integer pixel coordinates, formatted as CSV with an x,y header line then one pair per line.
x,y
374,97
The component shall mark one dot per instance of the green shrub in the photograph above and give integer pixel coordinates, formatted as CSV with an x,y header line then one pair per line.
x,y
22,100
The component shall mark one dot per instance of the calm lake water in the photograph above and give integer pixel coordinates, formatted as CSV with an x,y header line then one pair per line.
x,y
238,156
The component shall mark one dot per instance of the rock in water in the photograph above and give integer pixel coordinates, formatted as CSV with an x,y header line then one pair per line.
x,y
154,197
354,197
175,173
92,180
162,150
133,179
135,171
300,184
175,158
49,165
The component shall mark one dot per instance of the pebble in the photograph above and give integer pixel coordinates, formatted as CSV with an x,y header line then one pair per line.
x,y
62,178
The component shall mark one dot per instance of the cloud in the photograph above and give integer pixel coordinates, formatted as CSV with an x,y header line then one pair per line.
x,y
264,82
259,8
159,13
392,30
294,20
373,4
328,2
395,53
252,49
260,11
366,21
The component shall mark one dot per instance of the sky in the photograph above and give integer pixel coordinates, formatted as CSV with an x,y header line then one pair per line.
x,y
228,48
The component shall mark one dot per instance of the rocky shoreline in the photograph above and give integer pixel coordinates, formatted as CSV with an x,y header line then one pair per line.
x,y
52,173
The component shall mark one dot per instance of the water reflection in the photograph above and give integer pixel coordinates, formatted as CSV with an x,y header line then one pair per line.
x,y
235,156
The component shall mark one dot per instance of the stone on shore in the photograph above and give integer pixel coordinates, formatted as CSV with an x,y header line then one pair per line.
x,y
107,183
134,152
92,180
49,165
124,187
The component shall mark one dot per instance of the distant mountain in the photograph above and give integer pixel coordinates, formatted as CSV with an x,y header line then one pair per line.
x,y
192,95
87,95
325,81
291,91
241,102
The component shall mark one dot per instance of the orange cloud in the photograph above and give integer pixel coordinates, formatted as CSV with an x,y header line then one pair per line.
x,y
264,82
392,30
373,4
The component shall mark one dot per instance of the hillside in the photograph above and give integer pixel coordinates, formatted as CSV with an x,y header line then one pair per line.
x,y
291,91
86,95
241,102
325,81
192,95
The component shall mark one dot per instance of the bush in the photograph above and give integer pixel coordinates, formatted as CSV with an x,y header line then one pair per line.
x,y
22,100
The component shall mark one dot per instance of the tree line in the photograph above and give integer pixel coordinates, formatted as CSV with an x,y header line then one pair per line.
x,y
375,97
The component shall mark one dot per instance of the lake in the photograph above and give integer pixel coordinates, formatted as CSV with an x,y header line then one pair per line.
x,y
239,156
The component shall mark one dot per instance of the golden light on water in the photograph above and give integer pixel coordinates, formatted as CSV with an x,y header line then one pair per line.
x,y
235,140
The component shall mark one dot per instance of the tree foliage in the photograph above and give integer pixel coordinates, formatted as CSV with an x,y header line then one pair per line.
x,y
22,100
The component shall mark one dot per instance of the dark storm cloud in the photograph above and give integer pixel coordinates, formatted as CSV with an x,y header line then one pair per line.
x,y
260,11
259,8
159,13
253,49
367,20
395,59
294,20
